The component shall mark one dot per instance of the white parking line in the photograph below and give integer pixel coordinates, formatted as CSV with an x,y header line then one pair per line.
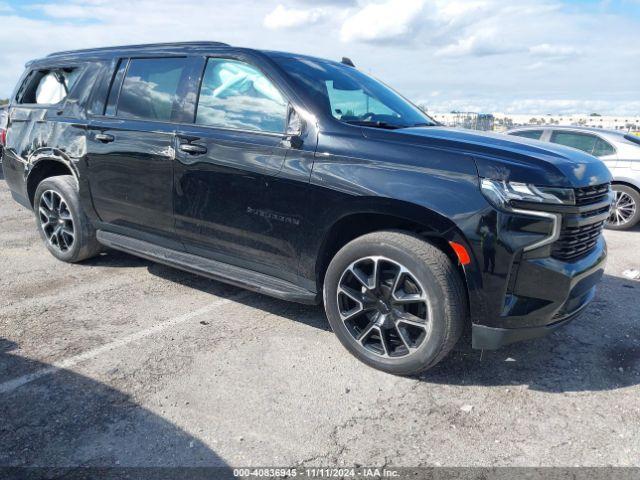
x,y
11,385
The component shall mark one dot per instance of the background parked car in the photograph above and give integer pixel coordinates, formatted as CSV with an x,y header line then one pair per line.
x,y
620,151
3,127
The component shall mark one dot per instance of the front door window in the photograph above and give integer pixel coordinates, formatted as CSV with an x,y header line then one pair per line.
x,y
237,95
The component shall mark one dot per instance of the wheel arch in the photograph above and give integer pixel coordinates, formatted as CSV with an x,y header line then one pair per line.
x,y
632,221
627,182
375,215
46,163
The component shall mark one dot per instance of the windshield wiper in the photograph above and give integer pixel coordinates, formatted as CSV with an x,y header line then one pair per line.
x,y
369,123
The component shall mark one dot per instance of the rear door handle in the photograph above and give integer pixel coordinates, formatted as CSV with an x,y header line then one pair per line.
x,y
193,149
104,137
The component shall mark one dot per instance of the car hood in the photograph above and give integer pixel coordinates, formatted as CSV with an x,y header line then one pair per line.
x,y
508,158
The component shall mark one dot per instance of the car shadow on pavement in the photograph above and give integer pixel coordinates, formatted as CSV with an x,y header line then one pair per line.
x,y
599,350
66,420
310,315
116,259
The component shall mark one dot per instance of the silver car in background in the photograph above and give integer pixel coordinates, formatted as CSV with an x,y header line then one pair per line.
x,y
620,151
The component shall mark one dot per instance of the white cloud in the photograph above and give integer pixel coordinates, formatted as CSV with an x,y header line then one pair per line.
x,y
282,17
479,44
337,3
484,54
457,28
378,22
70,11
119,22
536,66
456,13
456,9
554,51
491,27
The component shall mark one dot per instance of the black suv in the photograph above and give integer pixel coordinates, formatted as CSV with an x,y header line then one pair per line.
x,y
310,181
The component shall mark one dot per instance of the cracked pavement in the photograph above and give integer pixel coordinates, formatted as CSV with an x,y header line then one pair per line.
x,y
142,378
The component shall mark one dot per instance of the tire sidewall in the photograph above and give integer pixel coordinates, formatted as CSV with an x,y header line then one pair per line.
x,y
636,218
65,189
430,349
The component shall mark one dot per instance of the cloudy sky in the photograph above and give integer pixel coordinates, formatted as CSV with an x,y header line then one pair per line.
x,y
517,56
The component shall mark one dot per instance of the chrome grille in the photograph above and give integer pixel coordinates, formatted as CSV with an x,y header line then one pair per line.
x,y
582,228
591,195
575,242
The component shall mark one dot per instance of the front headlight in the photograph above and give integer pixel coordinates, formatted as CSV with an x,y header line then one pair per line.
x,y
500,193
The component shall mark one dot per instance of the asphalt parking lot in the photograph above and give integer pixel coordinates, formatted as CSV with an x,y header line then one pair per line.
x,y
121,361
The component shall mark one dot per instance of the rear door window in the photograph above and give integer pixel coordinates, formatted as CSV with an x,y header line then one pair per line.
x,y
581,141
603,148
534,134
150,88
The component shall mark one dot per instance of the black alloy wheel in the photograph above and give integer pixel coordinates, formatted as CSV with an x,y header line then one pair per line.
x,y
56,221
383,306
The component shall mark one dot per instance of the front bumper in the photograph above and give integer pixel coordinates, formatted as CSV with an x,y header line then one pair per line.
x,y
546,295
492,338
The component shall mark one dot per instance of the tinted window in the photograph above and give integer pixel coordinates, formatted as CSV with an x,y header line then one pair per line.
x,y
48,87
354,103
581,141
150,88
603,148
237,95
350,95
535,134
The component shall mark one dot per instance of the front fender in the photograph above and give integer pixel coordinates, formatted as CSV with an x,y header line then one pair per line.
x,y
388,213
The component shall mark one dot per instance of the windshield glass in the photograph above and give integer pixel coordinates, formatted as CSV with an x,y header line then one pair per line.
x,y
351,96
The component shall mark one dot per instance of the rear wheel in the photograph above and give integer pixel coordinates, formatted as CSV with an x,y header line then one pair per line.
x,y
395,301
63,225
625,210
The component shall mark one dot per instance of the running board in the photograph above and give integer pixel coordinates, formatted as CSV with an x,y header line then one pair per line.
x,y
238,276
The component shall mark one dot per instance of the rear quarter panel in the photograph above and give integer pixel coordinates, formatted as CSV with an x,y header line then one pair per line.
x,y
37,133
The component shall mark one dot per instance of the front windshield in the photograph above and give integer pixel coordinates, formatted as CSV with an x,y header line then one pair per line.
x,y
351,96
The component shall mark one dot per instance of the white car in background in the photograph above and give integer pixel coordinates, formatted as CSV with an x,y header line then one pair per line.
x,y
3,129
620,151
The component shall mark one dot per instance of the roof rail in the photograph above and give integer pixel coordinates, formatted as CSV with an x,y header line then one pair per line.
x,y
141,47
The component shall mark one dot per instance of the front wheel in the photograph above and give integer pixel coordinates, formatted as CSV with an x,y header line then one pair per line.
x,y
625,209
395,301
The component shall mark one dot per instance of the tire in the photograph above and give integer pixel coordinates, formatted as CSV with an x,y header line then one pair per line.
x,y
429,293
64,227
625,213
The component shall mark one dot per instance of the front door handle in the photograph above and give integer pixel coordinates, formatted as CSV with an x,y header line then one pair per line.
x,y
193,149
104,137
